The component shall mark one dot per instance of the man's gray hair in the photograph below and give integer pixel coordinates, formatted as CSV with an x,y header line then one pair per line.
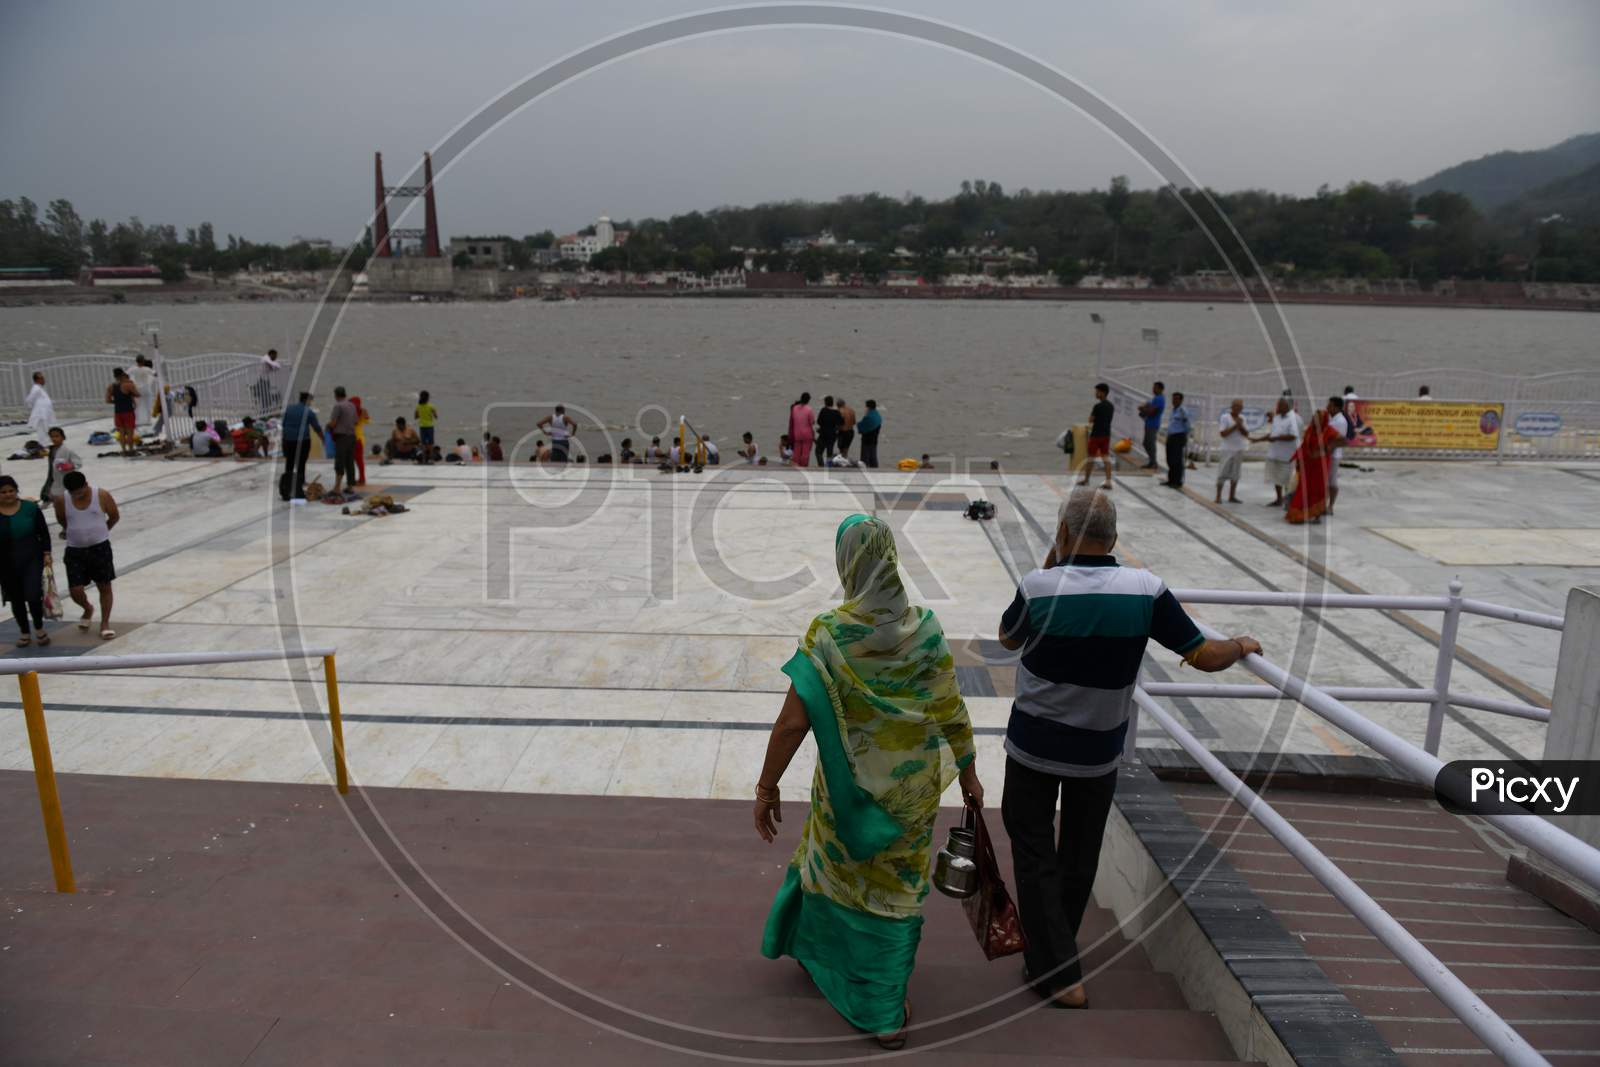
x,y
1088,515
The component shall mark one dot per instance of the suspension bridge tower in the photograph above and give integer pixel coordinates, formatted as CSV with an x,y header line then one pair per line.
x,y
406,260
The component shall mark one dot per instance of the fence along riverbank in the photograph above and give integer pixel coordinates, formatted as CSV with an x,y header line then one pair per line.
x,y
1543,416
227,385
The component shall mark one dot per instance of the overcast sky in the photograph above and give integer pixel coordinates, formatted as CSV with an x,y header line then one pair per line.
x,y
263,117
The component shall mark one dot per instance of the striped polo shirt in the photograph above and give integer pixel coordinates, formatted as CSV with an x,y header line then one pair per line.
x,y
1083,625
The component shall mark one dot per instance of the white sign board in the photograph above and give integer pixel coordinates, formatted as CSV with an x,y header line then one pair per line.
x,y
1538,424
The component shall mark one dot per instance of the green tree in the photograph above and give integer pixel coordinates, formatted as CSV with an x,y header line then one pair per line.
x,y
703,256
170,263
1116,203
609,259
811,264
1068,271
65,236
99,241
127,243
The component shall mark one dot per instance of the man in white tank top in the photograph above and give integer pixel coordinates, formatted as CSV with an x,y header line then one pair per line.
x,y
86,515
560,427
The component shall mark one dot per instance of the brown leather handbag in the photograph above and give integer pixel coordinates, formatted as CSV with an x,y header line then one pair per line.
x,y
990,910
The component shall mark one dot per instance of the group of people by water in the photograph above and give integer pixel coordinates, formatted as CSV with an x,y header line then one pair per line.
x,y
825,435
874,682
1303,456
828,433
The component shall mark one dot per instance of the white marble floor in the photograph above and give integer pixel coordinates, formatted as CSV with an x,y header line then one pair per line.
x,y
621,632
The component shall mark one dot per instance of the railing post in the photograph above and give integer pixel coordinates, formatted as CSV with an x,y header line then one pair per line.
x,y
335,724
44,774
1130,741
1441,669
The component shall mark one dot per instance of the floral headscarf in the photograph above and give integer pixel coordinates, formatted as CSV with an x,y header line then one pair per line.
x,y
888,675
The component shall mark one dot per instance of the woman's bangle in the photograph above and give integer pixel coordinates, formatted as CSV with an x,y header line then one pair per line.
x,y
765,795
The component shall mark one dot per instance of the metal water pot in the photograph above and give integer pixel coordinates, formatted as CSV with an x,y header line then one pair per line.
x,y
955,872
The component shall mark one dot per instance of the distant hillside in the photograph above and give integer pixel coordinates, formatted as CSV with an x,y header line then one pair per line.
x,y
1502,177
1576,197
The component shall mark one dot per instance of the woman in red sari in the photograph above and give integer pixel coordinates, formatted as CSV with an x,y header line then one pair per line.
x,y
1311,461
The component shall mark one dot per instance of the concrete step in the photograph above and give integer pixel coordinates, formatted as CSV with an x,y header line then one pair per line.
x,y
250,924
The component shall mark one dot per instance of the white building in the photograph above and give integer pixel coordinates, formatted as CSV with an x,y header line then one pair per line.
x,y
582,247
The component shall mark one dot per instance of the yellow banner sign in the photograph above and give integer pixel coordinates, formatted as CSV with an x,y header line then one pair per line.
x,y
1457,424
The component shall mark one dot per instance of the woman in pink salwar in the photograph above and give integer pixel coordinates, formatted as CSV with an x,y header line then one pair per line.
x,y
802,429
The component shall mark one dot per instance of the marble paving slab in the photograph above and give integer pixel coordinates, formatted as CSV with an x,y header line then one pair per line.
x,y
622,631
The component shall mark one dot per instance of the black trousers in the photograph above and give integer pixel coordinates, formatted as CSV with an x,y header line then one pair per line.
x,y
1177,443
292,483
869,448
1054,872
825,446
20,609
1150,435
845,437
344,457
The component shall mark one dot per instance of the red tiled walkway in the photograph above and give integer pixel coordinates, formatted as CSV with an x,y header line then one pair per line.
x,y
231,923
1537,968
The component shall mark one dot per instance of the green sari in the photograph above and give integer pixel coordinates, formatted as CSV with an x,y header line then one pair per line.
x,y
892,732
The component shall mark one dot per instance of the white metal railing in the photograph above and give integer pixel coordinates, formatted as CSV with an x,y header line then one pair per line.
x,y
1420,764
1423,767
1455,994
1438,696
78,382
228,394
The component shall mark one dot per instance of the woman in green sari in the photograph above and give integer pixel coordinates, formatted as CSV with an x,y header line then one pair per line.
x,y
874,682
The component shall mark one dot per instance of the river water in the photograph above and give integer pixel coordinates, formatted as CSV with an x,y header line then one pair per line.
x,y
969,379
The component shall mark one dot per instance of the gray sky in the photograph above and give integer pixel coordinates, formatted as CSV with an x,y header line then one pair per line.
x,y
263,117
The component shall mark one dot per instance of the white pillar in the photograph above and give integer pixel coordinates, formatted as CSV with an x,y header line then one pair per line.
x,y
1574,732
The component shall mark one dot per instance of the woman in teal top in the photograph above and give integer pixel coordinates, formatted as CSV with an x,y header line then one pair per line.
x,y
874,681
24,553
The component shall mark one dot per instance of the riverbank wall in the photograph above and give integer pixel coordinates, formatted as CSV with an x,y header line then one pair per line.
x,y
1480,296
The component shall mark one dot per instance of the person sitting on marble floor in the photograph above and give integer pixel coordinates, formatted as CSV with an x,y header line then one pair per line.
x,y
404,443
205,442
248,441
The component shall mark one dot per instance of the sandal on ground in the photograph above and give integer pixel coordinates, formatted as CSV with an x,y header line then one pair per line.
x,y
1057,1002
897,1040
107,633
44,639
24,641
1052,996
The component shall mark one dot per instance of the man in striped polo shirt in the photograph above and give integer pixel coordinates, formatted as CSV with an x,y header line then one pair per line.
x,y
1081,622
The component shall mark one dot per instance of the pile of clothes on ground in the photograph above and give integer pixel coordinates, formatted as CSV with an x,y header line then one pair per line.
x,y
378,504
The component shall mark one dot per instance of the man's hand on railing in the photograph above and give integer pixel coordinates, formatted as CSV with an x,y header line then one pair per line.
x,y
1218,655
